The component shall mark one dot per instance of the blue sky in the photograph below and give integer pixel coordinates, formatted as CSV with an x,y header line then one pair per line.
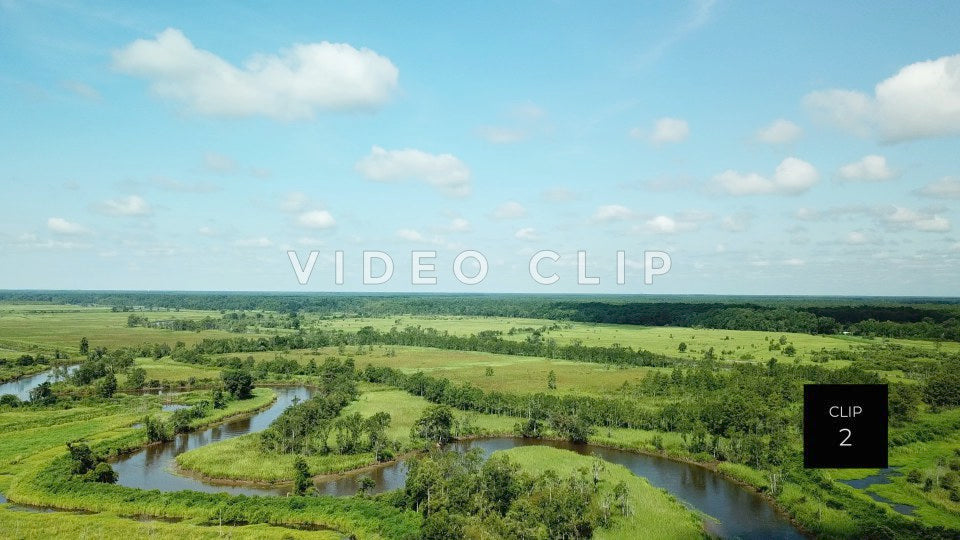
x,y
774,148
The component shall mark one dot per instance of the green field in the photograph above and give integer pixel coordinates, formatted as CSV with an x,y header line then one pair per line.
x,y
28,524
517,374
658,339
38,328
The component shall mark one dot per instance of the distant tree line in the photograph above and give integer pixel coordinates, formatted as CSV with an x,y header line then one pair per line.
x,y
897,317
484,341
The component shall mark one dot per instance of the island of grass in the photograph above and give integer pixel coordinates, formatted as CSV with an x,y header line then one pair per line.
x,y
651,511
244,459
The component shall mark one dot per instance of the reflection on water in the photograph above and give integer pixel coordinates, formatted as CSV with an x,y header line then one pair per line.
x,y
151,467
21,387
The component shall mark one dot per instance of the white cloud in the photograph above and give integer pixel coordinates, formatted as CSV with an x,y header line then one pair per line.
x,y
855,238
612,212
410,235
294,201
897,217
666,130
459,225
669,225
219,163
870,168
792,176
510,210
793,262
291,85
921,100
443,171
947,187
316,219
527,233
932,224
62,226
779,132
738,222
134,205
254,242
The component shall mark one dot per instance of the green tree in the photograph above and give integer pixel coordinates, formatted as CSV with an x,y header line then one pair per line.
x,y
157,429
136,378
81,458
682,347
301,479
365,484
434,424
102,473
42,394
107,386
84,346
238,382
217,399
552,380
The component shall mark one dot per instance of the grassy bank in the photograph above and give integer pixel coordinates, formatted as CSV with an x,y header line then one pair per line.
x,y
655,513
30,525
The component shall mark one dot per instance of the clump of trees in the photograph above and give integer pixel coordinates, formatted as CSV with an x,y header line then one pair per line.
x,y
305,427
435,425
157,430
238,382
456,493
89,467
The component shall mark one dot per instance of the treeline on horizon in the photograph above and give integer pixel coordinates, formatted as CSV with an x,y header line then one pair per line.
x,y
885,317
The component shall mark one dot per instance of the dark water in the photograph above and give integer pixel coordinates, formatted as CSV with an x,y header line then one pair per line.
x,y
737,512
883,477
21,387
151,467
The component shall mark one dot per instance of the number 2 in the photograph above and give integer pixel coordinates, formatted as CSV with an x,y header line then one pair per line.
x,y
847,438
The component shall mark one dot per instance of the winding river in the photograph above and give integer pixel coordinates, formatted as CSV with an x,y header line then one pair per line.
x,y
734,511
737,512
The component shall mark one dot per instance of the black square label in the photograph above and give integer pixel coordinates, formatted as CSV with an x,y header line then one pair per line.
x,y
844,426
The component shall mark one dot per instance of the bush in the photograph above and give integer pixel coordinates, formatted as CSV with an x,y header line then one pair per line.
x,y
157,430
914,476
102,473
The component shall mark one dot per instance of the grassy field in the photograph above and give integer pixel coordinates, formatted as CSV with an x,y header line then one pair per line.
x,y
516,374
656,514
45,328
658,339
241,458
40,525
167,370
